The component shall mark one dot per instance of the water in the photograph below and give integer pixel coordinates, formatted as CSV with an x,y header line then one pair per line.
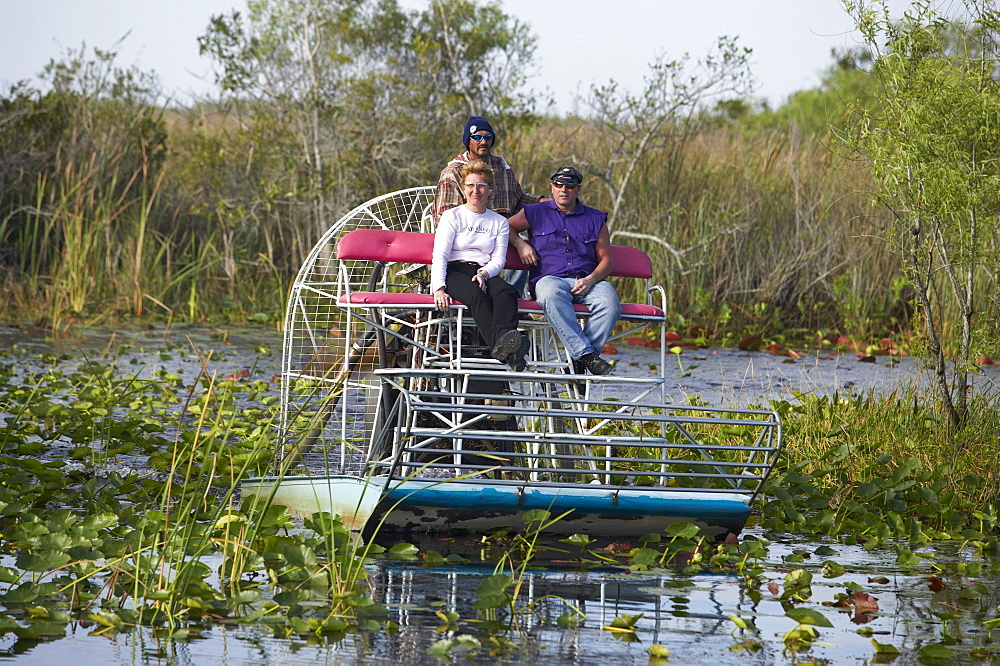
x,y
687,613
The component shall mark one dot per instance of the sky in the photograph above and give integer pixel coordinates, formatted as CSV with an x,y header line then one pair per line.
x,y
580,43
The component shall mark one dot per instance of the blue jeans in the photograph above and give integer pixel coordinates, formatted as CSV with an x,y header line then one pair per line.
x,y
553,294
517,279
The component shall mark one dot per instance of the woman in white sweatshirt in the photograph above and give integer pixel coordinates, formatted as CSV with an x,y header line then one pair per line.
x,y
470,250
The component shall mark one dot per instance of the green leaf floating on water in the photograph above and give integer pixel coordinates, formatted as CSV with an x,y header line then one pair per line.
x,y
682,530
743,623
43,561
569,620
106,619
936,652
809,616
7,624
406,551
495,584
299,555
366,608
624,623
492,592
432,558
832,569
536,516
657,651
47,629
461,643
578,540
884,648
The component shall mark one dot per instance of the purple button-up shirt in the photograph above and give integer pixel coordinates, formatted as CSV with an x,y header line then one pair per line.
x,y
565,242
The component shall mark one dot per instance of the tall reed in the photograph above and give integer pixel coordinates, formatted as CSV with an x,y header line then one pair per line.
x,y
750,222
749,227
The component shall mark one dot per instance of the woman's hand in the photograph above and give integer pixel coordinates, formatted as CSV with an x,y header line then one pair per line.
x,y
480,278
441,299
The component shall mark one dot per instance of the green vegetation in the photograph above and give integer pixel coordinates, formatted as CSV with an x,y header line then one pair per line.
x,y
929,144
118,511
114,205
117,482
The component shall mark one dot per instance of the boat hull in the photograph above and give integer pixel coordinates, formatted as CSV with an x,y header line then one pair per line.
x,y
434,506
352,498
419,505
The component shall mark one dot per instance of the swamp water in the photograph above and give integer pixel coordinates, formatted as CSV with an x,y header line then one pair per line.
x,y
775,598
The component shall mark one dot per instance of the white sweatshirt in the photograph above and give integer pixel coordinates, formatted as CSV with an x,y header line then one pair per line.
x,y
462,235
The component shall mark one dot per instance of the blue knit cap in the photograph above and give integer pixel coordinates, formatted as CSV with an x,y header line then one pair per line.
x,y
473,125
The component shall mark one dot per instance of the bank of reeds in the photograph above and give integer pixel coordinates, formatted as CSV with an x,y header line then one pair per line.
x,y
892,452
764,229
758,229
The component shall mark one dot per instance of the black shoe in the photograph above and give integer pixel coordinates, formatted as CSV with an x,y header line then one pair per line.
x,y
578,369
525,345
596,364
516,360
507,344
517,363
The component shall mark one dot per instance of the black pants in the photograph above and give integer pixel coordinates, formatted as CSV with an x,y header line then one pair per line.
x,y
494,311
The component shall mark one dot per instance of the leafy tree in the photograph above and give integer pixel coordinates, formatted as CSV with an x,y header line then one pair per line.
x,y
931,144
437,66
356,97
286,61
628,126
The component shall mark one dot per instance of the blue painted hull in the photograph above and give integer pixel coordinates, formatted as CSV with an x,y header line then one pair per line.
x,y
425,505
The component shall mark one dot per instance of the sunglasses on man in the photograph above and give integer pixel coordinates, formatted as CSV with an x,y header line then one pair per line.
x,y
566,186
481,137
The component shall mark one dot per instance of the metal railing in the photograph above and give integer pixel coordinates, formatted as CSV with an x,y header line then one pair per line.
x,y
436,426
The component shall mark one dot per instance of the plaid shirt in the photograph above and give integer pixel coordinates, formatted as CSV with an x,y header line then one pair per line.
x,y
507,197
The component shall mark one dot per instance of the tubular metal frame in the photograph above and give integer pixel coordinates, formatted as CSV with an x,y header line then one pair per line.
x,y
387,390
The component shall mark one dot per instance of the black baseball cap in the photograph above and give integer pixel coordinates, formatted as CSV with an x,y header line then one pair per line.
x,y
566,175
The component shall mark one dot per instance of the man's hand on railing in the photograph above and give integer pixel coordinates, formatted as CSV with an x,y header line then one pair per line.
x,y
524,250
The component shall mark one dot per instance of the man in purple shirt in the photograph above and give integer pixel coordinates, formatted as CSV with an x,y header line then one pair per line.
x,y
570,256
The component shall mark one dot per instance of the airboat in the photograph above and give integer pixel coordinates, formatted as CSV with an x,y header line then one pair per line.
x,y
396,419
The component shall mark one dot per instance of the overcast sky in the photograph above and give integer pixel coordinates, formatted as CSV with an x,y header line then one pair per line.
x,y
579,42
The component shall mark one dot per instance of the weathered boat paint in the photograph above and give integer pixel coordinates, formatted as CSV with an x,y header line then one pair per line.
x,y
441,506
350,497
628,512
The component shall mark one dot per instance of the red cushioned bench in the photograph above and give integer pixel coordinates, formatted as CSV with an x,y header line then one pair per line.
x,y
407,247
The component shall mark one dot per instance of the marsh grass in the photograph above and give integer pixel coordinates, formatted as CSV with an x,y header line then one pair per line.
x,y
883,467
142,528
748,228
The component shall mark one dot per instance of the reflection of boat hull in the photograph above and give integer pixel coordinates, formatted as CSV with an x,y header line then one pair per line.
x,y
436,506
425,505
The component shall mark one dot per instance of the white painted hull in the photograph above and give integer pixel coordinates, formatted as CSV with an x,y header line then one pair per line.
x,y
435,506
350,497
